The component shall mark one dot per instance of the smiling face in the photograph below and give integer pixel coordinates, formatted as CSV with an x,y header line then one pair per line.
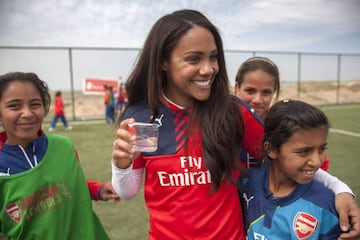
x,y
298,158
22,112
192,67
257,89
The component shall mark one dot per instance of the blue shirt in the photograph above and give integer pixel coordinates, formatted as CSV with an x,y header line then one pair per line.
x,y
306,213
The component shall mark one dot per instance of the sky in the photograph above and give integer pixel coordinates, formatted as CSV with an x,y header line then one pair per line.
x,y
275,25
310,26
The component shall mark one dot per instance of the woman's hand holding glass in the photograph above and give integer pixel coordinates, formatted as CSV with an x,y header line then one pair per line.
x,y
123,153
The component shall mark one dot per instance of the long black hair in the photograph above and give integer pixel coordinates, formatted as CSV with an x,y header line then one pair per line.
x,y
219,117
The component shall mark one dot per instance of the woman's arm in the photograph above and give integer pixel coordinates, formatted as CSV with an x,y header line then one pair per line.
x,y
332,182
348,210
349,216
126,182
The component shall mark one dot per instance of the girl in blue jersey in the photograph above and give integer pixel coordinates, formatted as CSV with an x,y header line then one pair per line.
x,y
180,82
281,200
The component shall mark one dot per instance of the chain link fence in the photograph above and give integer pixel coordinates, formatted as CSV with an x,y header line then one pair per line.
x,y
318,78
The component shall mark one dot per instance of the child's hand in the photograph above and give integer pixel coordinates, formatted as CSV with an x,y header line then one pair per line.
x,y
108,192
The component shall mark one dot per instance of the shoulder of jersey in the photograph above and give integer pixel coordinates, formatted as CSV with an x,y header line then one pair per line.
x,y
247,109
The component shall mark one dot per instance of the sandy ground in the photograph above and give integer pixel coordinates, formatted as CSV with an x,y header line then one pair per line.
x,y
92,107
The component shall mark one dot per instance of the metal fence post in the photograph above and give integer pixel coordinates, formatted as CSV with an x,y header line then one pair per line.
x,y
338,78
72,84
299,76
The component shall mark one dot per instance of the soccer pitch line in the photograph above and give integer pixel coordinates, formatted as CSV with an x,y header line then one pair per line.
x,y
345,132
349,106
88,122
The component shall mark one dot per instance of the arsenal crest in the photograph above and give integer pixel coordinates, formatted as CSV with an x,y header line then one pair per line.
x,y
14,212
304,225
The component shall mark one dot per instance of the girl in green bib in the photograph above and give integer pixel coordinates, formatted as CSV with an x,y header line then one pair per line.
x,y
43,190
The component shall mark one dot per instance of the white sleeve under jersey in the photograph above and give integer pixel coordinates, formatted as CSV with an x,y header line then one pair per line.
x,y
332,182
126,182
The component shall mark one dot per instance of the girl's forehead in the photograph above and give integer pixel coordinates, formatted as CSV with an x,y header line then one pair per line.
x,y
309,135
20,89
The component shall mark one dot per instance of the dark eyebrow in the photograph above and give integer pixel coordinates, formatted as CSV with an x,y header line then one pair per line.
x,y
14,100
199,52
194,52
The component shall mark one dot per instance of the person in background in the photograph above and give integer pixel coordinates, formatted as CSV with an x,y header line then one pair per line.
x,y
112,100
121,100
59,113
109,102
281,200
257,83
43,190
180,82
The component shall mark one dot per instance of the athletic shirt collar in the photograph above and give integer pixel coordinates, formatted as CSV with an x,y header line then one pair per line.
x,y
36,147
171,105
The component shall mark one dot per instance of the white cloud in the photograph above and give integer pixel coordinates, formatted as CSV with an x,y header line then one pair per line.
x,y
284,24
245,24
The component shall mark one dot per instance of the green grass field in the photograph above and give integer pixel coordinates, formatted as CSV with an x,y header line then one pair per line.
x,y
344,150
128,220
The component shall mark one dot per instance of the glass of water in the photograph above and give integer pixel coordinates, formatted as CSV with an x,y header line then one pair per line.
x,y
146,136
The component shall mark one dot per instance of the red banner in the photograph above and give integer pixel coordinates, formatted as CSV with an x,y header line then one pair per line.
x,y
96,85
